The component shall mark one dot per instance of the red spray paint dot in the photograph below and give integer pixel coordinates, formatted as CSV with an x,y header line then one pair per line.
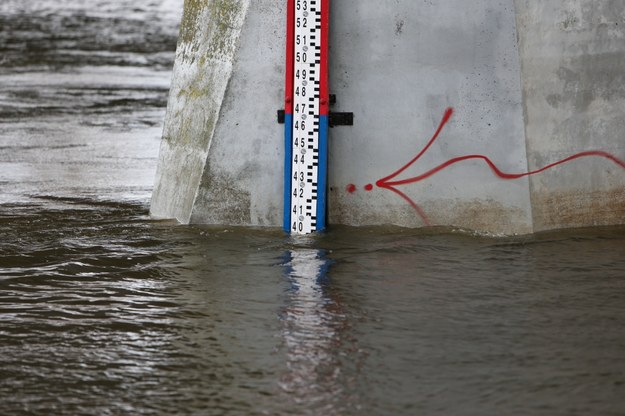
x,y
351,188
368,187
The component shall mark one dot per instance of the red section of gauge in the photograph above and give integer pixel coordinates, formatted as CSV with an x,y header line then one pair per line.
x,y
290,30
324,94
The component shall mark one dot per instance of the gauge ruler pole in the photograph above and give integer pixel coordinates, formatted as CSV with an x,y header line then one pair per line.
x,y
306,116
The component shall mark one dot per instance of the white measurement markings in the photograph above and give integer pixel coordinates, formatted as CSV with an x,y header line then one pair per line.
x,y
307,71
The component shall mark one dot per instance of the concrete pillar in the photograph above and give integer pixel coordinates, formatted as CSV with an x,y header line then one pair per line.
x,y
495,72
573,60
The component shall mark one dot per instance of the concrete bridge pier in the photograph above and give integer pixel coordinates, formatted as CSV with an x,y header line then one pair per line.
x,y
503,117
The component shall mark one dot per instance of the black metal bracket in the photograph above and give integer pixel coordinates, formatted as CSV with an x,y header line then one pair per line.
x,y
335,119
341,119
281,116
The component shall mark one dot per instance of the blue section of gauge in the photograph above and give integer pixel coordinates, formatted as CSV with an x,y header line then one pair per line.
x,y
288,160
322,173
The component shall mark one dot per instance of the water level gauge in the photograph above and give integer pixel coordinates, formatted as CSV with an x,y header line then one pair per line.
x,y
306,116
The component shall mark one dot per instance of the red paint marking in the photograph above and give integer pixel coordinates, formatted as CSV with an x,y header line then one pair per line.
x,y
444,121
388,182
351,188
368,187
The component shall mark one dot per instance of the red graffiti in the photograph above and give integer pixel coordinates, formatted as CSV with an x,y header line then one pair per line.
x,y
351,188
391,184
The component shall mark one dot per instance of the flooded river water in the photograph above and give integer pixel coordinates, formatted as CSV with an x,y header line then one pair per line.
x,y
104,311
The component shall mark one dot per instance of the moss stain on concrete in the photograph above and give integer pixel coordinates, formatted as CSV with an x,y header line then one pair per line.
x,y
189,24
210,26
225,15
208,38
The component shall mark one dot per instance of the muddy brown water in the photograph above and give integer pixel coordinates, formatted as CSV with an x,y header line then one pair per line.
x,y
106,311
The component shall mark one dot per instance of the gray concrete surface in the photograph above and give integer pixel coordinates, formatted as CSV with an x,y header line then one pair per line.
x,y
242,180
573,60
398,66
205,54
530,82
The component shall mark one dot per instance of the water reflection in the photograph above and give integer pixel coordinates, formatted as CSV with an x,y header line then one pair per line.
x,y
314,333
